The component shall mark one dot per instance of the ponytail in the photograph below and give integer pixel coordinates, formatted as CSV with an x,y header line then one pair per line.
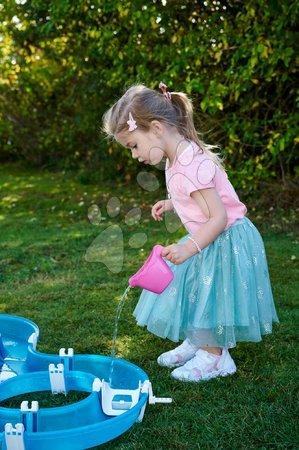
x,y
184,109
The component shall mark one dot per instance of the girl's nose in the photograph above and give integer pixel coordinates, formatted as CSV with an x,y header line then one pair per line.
x,y
134,154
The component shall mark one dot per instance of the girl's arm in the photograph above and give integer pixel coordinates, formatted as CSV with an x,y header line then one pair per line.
x,y
160,207
211,204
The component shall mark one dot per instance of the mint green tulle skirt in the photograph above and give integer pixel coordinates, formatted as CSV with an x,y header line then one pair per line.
x,y
218,297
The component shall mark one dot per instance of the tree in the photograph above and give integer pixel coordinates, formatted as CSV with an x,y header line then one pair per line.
x,y
64,63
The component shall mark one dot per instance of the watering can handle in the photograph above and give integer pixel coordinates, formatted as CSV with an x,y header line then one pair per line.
x,y
158,249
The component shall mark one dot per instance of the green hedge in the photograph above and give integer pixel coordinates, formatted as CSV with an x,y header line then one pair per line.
x,y
64,63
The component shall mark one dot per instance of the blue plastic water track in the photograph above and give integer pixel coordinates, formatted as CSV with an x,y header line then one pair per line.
x,y
107,412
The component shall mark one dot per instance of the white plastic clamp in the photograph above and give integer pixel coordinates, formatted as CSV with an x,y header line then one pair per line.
x,y
14,437
57,379
33,340
25,408
117,401
66,358
30,415
97,385
69,353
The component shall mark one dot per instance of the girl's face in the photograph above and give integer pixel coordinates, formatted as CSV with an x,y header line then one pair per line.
x,y
145,146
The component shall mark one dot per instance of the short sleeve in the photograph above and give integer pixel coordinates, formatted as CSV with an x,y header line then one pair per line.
x,y
200,175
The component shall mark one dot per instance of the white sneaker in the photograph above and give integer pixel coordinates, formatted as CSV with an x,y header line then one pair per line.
x,y
178,356
205,366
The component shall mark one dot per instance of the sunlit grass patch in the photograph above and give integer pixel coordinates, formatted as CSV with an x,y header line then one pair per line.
x,y
45,277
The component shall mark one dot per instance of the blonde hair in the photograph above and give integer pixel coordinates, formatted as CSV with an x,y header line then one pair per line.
x,y
146,105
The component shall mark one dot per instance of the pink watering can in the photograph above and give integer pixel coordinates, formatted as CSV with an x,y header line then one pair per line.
x,y
155,275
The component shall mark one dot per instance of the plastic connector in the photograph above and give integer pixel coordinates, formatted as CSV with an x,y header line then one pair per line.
x,y
97,385
118,401
69,353
57,379
30,415
14,436
25,408
66,358
33,340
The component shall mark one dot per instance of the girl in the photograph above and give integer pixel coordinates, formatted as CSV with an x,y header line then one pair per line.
x,y
221,291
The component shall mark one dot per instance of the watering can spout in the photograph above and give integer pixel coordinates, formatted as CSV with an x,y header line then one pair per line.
x,y
155,274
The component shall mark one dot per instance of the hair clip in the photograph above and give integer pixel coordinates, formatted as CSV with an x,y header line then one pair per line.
x,y
131,122
163,87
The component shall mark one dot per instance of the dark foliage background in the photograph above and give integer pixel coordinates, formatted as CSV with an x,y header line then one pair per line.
x,y
63,63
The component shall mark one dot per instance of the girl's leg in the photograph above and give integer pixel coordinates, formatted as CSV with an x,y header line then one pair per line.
x,y
213,350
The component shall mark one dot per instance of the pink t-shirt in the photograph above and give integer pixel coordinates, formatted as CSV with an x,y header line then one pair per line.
x,y
193,170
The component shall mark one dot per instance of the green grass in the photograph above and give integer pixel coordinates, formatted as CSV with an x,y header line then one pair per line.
x,y
44,276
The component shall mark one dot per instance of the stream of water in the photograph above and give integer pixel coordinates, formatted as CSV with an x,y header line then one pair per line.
x,y
117,316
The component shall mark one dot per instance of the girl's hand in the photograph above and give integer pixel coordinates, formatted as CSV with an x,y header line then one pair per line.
x,y
160,207
177,253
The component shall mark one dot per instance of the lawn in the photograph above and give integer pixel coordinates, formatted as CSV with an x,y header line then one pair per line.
x,y
45,277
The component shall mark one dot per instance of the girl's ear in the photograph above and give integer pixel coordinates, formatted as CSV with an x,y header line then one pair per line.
x,y
156,127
